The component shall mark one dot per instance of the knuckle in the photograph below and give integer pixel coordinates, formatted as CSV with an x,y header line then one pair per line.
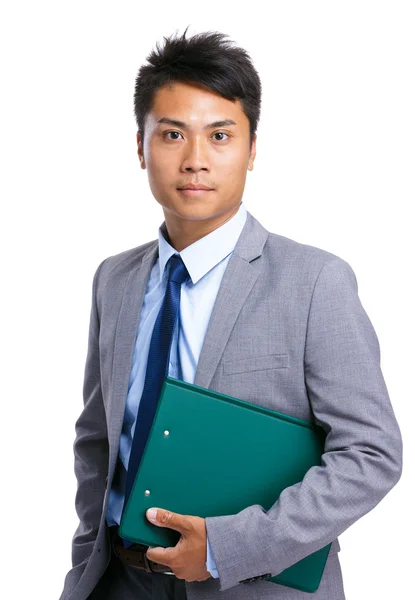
x,y
166,517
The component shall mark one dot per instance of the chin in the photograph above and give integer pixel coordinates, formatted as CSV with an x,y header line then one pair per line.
x,y
194,214
194,209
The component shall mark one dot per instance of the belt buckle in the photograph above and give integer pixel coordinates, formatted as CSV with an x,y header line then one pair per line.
x,y
150,570
114,532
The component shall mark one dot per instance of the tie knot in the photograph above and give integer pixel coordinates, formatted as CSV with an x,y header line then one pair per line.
x,y
178,271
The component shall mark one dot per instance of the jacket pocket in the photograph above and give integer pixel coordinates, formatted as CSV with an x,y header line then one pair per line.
x,y
255,363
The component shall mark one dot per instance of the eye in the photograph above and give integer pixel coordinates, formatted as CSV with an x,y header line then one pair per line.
x,y
166,133
221,133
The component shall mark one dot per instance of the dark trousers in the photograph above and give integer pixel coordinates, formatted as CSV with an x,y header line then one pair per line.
x,y
121,581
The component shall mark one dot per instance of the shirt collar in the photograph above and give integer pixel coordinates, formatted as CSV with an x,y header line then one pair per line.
x,y
204,254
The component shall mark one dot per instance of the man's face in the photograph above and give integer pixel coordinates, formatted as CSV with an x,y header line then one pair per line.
x,y
195,152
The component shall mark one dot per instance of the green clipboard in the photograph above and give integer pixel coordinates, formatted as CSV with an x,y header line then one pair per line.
x,y
197,430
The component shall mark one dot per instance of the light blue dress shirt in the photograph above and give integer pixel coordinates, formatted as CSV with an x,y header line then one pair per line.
x,y
206,261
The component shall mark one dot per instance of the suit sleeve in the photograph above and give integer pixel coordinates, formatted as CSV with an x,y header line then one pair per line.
x,y
91,452
362,458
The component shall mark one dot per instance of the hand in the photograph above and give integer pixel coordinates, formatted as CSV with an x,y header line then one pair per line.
x,y
187,559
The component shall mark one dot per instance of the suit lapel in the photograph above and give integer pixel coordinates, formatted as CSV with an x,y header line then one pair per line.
x,y
237,281
125,337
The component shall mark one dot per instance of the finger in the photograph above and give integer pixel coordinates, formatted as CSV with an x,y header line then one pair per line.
x,y
167,518
160,555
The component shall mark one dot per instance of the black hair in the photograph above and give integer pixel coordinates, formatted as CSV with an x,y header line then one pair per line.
x,y
206,59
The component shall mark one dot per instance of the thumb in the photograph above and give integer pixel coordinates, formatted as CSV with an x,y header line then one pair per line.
x,y
167,518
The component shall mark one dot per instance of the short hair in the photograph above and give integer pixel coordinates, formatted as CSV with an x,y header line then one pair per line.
x,y
207,59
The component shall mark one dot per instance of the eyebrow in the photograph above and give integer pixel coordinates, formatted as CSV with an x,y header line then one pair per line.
x,y
183,125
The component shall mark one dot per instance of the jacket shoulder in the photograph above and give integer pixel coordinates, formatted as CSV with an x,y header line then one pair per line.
x,y
302,258
122,262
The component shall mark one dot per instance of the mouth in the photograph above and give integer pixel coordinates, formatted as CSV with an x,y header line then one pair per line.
x,y
194,191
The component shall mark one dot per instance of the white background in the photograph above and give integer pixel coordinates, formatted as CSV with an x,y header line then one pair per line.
x,y
334,169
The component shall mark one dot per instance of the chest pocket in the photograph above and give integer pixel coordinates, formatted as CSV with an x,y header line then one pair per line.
x,y
255,363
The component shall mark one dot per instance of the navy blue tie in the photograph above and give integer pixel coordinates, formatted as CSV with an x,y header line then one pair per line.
x,y
157,366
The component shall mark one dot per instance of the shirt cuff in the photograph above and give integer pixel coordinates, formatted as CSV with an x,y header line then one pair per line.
x,y
210,563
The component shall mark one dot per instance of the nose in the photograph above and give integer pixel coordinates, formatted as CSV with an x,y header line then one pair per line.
x,y
195,157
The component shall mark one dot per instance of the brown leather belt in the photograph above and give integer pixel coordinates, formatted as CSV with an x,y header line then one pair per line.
x,y
135,555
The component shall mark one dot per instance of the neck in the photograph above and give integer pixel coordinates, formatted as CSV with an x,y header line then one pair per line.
x,y
184,232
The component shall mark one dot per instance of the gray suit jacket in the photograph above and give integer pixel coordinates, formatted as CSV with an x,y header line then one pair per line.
x,y
288,332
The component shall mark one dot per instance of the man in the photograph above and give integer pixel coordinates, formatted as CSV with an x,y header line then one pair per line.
x,y
219,301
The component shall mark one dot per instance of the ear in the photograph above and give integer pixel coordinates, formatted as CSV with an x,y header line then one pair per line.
x,y
252,153
140,151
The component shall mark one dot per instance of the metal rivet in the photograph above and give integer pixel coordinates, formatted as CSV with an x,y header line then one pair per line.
x,y
166,433
147,493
